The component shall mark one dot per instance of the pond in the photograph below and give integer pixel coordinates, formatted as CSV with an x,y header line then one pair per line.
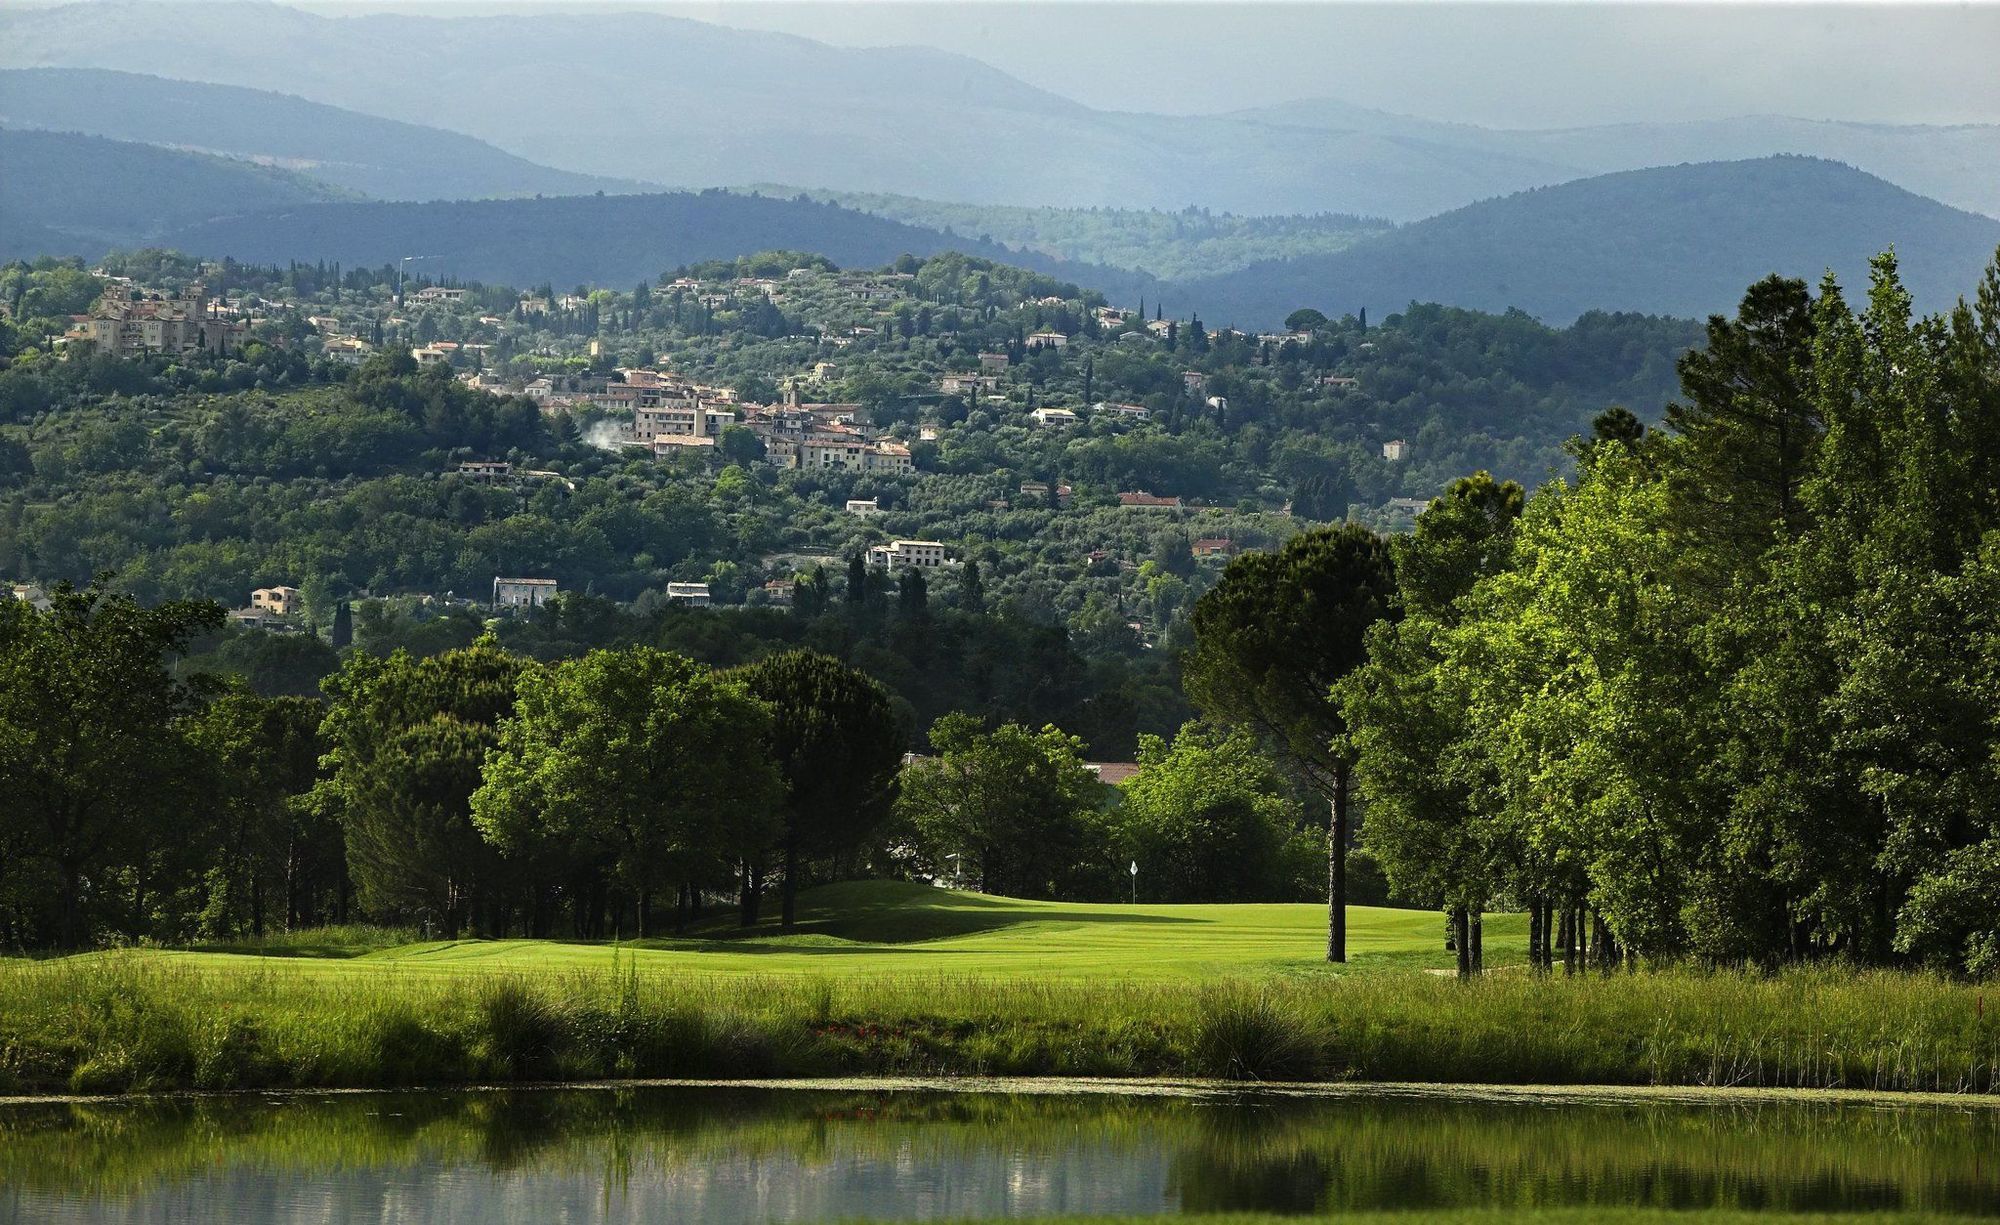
x,y
726,1154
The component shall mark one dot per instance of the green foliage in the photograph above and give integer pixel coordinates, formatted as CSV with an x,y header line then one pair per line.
x,y
1008,808
406,742
640,760
1279,629
836,742
94,754
270,838
1208,819
1732,690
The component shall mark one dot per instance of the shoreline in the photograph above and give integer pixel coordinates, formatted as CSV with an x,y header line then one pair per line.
x,y
1186,1088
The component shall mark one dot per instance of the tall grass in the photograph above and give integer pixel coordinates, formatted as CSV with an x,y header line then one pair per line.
x,y
117,1023
343,940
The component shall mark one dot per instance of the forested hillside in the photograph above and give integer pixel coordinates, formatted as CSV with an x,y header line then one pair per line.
x,y
1679,240
357,153
83,194
1172,246
597,240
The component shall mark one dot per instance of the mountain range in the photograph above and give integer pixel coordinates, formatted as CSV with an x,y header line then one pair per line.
x,y
361,154
1681,240
650,99
1675,240
597,240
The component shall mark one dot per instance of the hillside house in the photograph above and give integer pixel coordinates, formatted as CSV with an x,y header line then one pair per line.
x,y
1395,450
967,384
994,363
513,593
1142,500
1048,340
1133,412
1053,417
1213,546
347,350
1112,773
33,594
276,601
864,507
916,554
694,595
489,471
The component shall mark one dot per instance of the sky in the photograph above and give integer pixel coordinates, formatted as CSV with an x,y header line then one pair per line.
x,y
1487,62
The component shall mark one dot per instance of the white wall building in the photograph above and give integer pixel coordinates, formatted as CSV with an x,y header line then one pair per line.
x,y
522,592
917,554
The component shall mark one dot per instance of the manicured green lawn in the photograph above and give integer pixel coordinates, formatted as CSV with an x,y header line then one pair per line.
x,y
875,928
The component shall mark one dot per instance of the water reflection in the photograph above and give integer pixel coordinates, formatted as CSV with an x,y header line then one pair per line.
x,y
750,1155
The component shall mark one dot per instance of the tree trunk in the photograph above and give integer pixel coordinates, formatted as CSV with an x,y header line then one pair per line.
x,y
1336,872
1461,939
69,925
789,913
1535,936
747,896
645,912
1478,942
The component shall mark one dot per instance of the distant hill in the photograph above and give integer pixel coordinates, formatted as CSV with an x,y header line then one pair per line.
x,y
362,154
1170,245
1676,240
65,194
600,240
767,107
1955,164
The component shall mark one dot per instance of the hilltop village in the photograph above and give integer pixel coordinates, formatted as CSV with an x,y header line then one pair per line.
x,y
768,432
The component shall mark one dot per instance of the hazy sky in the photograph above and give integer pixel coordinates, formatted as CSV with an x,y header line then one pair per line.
x,y
1504,64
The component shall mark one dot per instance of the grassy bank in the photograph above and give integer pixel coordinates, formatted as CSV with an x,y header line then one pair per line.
x,y
117,1022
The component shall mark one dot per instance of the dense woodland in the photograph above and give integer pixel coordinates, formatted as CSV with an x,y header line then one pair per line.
x,y
1731,692
1724,690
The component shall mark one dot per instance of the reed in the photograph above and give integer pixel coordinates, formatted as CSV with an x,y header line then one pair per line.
x,y
121,1022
